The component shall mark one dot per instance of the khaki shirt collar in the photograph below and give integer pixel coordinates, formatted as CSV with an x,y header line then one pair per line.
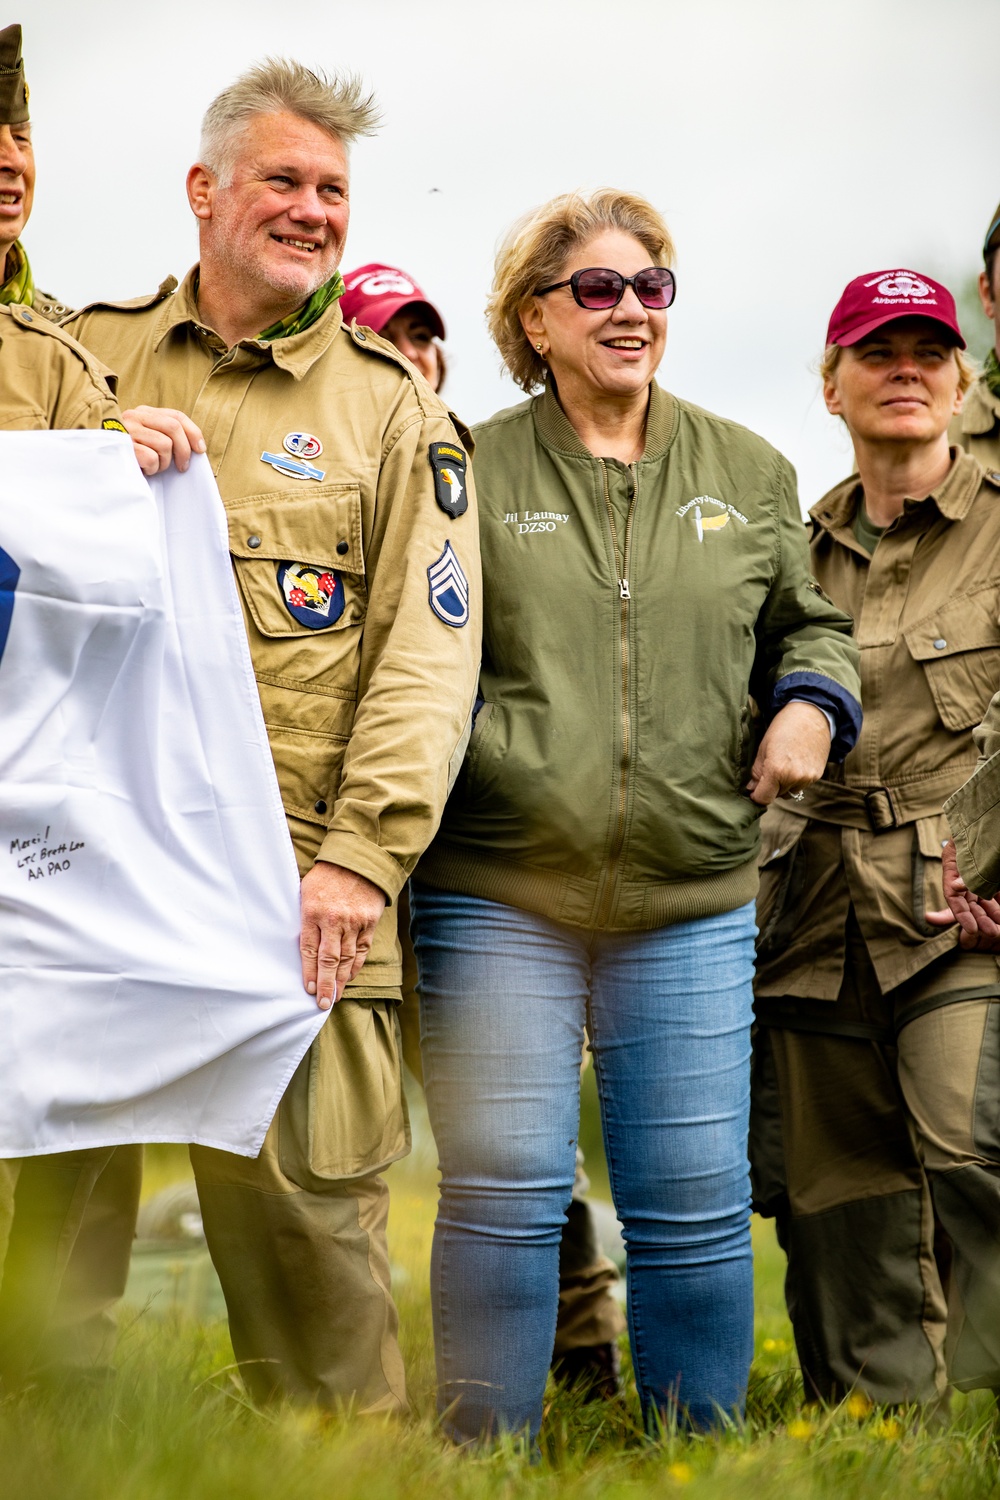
x,y
980,410
297,353
953,497
557,431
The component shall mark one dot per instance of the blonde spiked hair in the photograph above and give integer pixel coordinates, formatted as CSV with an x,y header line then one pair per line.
x,y
537,247
337,103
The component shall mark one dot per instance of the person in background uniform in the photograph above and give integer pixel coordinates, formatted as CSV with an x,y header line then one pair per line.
x,y
82,1327
977,427
590,1320
354,542
875,1085
645,570
389,302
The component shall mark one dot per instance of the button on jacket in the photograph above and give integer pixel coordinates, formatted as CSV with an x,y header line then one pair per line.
x,y
926,606
632,610
366,687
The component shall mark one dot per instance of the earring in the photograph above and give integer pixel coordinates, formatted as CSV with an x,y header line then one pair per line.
x,y
539,348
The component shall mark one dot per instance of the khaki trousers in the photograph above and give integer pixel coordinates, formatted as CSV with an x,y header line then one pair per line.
x,y
298,1235
42,1202
875,1145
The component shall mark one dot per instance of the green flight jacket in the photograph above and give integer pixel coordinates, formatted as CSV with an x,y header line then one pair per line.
x,y
635,616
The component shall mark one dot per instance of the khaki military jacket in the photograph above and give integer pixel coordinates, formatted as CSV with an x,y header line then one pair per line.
x,y
47,380
361,594
926,607
977,426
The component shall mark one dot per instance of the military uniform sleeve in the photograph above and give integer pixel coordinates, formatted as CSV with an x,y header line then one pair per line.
x,y
805,648
420,659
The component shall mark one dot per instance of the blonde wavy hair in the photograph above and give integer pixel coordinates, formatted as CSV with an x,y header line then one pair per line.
x,y
535,250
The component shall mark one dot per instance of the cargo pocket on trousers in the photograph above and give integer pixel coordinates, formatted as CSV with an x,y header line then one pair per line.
x,y
780,835
355,1118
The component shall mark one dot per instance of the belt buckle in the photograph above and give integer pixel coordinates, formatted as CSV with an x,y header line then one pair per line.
x,y
881,813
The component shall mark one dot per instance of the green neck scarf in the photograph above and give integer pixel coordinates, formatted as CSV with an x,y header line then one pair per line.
x,y
991,372
20,285
305,316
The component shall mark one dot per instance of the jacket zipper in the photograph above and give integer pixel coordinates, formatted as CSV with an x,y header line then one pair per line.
x,y
624,594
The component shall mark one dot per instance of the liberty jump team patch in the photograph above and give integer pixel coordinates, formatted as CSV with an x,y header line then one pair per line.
x,y
313,596
449,589
448,463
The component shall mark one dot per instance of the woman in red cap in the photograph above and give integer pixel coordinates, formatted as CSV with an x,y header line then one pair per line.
x,y
876,1091
389,302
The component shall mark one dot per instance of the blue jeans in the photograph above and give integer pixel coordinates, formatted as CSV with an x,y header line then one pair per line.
x,y
505,996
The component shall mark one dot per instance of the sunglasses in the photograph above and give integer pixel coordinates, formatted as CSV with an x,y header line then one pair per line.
x,y
598,289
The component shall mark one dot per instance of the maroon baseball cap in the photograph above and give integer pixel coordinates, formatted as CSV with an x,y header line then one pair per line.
x,y
880,297
374,294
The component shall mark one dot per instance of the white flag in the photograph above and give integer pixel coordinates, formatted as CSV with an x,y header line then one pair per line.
x,y
150,987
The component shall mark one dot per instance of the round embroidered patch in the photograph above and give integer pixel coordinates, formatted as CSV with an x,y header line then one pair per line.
x,y
313,596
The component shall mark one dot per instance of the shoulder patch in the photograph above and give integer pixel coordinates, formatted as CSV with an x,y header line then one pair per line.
x,y
112,424
448,463
449,589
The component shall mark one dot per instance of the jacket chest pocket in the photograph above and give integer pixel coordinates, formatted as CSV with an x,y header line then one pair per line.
x,y
299,560
958,646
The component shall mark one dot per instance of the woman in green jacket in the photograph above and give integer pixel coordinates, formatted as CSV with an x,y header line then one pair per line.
x,y
648,606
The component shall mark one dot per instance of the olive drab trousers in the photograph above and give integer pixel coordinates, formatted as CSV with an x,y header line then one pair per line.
x,y
875,1145
42,1201
298,1234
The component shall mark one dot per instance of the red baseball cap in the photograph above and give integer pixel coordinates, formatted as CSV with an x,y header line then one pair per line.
x,y
880,297
374,294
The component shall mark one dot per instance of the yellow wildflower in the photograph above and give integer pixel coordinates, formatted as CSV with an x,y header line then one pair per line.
x,y
888,1429
683,1473
800,1429
858,1405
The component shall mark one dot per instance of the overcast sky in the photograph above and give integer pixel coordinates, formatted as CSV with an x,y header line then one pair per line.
x,y
790,144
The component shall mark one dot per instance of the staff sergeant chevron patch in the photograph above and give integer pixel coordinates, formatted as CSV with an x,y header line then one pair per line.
x,y
449,589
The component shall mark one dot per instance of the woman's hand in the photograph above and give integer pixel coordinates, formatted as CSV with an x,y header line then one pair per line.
x,y
792,755
977,916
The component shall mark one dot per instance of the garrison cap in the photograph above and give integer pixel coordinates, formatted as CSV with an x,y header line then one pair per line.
x,y
992,239
13,89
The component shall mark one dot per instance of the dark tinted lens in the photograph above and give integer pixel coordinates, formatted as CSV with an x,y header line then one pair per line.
x,y
655,287
596,288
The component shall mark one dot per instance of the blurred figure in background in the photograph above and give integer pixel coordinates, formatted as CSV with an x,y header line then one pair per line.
x,y
977,427
875,1086
388,301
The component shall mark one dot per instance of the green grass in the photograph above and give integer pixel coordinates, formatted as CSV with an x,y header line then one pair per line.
x,y
175,1425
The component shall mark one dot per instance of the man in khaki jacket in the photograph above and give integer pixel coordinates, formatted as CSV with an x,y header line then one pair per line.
x,y
355,548
46,381
977,426
82,1329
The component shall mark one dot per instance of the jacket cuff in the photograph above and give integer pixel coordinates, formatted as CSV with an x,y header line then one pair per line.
x,y
364,858
822,692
